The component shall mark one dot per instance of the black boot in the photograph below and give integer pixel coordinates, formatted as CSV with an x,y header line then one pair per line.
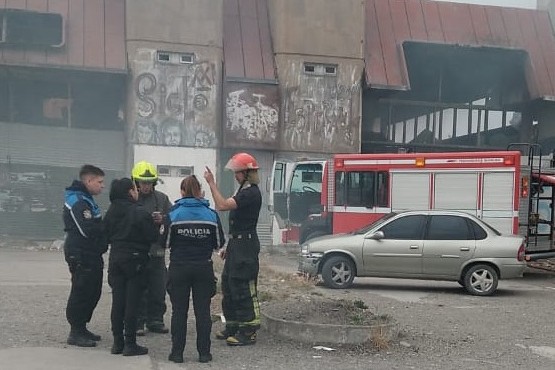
x,y
176,356
117,347
130,348
77,338
90,335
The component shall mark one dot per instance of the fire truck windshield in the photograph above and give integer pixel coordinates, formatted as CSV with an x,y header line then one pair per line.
x,y
307,177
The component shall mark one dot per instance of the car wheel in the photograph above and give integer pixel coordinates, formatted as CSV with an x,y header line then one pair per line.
x,y
338,272
481,280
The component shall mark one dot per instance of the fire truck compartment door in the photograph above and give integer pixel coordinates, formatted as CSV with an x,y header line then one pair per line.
x,y
456,191
410,191
498,199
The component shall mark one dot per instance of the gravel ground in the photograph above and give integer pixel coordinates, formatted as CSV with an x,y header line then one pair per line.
x,y
442,328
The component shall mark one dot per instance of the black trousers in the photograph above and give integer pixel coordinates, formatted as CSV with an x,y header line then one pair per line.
x,y
152,306
86,288
197,277
127,278
240,303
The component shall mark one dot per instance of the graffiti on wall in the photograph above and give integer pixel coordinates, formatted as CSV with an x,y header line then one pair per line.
x,y
252,115
175,104
321,115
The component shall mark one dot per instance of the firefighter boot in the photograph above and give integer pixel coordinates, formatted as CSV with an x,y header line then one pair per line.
x,y
117,347
242,338
131,348
77,338
226,333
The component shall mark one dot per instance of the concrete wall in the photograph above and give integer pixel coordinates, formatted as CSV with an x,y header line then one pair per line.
x,y
318,27
320,113
191,22
173,103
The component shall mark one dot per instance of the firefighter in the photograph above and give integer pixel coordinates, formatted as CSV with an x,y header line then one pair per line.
x,y
239,277
193,231
83,248
153,304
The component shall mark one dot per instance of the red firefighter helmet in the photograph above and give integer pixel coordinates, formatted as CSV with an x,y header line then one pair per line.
x,y
242,162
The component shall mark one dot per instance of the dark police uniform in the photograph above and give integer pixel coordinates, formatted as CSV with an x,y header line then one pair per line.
x,y
130,230
153,304
240,274
193,232
84,245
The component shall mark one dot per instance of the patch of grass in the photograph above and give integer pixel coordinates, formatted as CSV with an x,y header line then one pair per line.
x,y
380,339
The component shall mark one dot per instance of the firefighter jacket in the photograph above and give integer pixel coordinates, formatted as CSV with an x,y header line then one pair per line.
x,y
130,229
85,239
193,231
155,202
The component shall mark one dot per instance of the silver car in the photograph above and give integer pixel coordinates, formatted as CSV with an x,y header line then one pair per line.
x,y
430,245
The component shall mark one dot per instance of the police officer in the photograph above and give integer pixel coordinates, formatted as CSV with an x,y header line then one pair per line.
x,y
84,245
193,232
130,231
240,274
153,304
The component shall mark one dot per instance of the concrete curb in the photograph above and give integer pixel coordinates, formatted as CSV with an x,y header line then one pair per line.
x,y
324,333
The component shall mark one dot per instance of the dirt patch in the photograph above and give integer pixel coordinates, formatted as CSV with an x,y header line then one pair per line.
x,y
321,310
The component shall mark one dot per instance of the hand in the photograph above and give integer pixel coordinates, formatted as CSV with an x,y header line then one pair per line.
x,y
208,176
223,253
157,217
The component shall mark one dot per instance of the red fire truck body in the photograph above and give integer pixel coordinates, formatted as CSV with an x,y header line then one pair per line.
x,y
349,191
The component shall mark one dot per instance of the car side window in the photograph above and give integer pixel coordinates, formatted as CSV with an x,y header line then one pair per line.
x,y
448,228
408,227
479,232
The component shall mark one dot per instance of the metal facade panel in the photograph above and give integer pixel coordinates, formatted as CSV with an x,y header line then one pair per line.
x,y
455,20
456,191
234,63
474,25
247,40
410,191
250,34
36,56
415,17
498,191
266,40
390,52
59,56
375,66
93,39
114,11
94,35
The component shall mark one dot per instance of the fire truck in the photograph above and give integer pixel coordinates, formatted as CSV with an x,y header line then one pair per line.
x,y
511,192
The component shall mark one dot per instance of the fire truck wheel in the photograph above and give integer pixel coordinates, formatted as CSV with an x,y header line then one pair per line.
x,y
338,272
481,280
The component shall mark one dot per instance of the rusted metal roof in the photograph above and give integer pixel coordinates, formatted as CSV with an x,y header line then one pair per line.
x,y
248,52
391,22
94,35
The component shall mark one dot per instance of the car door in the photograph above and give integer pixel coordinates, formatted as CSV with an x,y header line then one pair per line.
x,y
400,251
448,244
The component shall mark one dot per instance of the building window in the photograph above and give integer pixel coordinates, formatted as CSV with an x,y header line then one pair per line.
x,y
163,57
175,171
29,28
186,58
175,58
320,69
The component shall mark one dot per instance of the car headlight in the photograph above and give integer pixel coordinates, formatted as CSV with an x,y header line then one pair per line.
x,y
304,249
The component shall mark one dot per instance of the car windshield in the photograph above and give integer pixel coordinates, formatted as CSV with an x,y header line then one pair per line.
x,y
365,229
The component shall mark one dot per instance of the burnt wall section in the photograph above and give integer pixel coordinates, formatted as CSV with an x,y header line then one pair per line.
x,y
251,115
320,110
175,103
